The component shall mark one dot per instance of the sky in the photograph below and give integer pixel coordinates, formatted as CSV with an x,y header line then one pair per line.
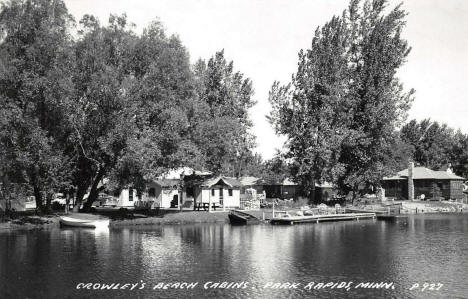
x,y
263,38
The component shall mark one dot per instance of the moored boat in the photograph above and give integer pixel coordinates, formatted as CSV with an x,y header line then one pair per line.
x,y
240,218
86,223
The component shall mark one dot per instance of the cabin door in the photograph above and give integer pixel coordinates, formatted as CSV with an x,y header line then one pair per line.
x,y
175,201
221,199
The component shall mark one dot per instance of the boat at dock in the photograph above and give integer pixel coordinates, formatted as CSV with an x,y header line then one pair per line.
x,y
285,218
387,217
85,223
241,218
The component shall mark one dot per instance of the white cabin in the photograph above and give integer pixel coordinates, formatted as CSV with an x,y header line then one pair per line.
x,y
164,193
222,191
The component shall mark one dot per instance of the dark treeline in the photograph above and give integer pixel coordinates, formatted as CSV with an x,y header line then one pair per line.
x,y
81,101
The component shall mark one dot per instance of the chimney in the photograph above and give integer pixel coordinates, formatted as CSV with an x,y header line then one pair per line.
x,y
449,168
410,181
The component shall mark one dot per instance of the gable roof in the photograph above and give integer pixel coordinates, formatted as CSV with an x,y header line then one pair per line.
x,y
231,182
423,173
248,180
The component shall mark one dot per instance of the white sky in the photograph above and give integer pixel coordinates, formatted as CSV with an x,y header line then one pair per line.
x,y
263,38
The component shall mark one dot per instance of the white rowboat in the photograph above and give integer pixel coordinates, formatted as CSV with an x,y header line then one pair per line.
x,y
88,223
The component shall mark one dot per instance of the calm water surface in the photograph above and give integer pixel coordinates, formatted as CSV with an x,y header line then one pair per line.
x,y
422,249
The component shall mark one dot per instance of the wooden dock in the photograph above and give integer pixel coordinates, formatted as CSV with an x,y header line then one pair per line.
x,y
386,214
288,219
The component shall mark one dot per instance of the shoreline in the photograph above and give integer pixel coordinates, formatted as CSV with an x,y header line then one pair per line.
x,y
28,223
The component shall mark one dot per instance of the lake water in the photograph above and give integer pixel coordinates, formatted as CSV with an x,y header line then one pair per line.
x,y
62,263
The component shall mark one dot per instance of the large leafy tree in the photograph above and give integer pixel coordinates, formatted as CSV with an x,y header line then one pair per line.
x,y
459,154
431,142
161,103
434,145
35,93
221,124
134,99
342,108
101,78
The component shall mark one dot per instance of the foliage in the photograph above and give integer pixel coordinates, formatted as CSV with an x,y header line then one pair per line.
x,y
222,128
435,145
109,105
343,105
35,89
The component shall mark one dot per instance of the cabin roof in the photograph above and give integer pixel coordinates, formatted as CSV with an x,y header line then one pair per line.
x,y
423,173
248,180
231,182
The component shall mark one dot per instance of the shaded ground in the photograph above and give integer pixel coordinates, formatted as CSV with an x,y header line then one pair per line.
x,y
30,222
176,218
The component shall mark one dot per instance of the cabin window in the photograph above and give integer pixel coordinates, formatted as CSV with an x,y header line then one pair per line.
x,y
212,192
230,192
152,192
139,194
130,194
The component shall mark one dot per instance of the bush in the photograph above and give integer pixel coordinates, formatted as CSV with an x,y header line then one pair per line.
x,y
56,206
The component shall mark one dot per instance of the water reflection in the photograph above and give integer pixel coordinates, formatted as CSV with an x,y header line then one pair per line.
x,y
51,263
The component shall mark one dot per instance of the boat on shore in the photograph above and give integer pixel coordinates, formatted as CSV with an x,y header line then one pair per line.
x,y
85,223
241,218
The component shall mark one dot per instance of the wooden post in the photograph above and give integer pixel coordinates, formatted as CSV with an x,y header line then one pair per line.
x,y
224,201
209,201
67,202
273,212
263,216
179,201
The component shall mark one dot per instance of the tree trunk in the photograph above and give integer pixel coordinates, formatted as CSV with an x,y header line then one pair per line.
x,y
6,194
67,202
48,201
355,189
94,192
81,191
312,193
38,197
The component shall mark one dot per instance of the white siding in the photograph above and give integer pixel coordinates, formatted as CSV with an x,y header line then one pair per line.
x,y
124,200
167,196
232,201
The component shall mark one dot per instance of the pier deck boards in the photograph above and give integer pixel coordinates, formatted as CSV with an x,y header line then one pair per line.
x,y
382,214
321,218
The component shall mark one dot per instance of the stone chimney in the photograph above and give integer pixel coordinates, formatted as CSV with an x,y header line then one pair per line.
x,y
410,181
449,168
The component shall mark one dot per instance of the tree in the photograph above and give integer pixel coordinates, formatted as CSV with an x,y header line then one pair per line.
x,y
435,145
35,90
342,108
134,95
276,170
432,142
101,79
459,154
162,100
221,125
